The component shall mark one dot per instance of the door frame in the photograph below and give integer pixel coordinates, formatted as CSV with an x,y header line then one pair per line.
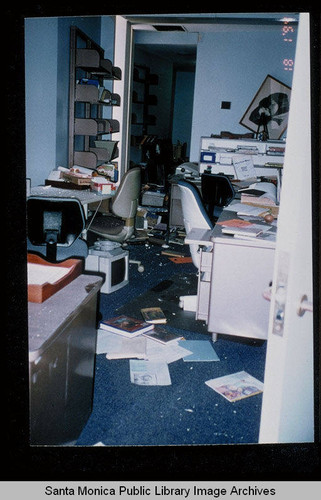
x,y
123,57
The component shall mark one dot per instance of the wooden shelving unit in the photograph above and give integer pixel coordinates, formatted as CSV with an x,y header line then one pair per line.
x,y
87,100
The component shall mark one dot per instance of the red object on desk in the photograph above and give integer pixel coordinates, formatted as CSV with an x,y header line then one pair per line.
x,y
40,293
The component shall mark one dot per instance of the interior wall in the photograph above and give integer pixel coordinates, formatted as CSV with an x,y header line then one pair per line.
x,y
231,65
41,58
47,88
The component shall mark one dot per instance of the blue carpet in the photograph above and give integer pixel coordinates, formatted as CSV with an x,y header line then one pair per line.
x,y
187,412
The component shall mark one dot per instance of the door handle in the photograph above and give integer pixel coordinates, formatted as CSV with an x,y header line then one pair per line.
x,y
304,306
267,293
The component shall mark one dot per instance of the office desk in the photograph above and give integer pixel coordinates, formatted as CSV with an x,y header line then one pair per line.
x,y
62,345
85,196
233,276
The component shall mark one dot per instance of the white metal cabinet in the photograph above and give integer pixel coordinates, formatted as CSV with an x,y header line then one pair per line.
x,y
241,271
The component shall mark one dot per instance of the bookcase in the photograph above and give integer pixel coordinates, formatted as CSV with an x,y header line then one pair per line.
x,y
90,123
143,109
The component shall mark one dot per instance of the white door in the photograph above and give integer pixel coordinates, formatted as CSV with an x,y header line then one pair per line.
x,y
287,409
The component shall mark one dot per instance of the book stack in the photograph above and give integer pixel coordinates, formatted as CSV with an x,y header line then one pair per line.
x,y
251,231
126,326
261,194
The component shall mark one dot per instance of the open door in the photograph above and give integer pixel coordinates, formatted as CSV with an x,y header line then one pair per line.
x,y
288,398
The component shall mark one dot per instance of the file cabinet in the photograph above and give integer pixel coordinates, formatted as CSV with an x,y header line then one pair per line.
x,y
62,346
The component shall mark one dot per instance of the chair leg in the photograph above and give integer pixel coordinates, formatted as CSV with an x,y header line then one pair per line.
x,y
214,337
139,264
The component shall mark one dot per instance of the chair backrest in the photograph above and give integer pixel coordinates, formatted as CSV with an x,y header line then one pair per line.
x,y
126,198
194,213
54,228
217,192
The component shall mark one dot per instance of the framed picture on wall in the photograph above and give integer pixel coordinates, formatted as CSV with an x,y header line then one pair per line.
x,y
268,112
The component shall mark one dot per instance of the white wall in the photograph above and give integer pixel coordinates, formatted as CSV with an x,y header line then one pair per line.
x,y
231,65
41,62
47,88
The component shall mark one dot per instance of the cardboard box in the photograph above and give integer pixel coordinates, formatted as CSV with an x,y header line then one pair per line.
x,y
102,185
80,181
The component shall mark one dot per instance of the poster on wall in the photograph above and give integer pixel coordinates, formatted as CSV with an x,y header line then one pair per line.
x,y
267,114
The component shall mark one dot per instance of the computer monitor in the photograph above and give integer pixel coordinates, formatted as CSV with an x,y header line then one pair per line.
x,y
217,193
112,260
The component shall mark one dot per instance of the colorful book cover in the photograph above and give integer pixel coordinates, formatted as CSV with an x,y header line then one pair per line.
x,y
236,386
153,315
163,336
125,325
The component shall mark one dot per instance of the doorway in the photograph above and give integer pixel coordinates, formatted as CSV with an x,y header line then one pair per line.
x,y
161,103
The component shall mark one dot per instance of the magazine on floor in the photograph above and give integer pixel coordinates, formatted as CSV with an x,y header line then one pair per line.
x,y
236,386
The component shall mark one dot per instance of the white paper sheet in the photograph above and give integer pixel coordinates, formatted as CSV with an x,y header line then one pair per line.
x,y
117,346
39,274
165,352
144,372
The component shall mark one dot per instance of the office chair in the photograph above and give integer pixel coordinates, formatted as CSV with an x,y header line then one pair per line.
x,y
194,216
217,193
118,225
54,227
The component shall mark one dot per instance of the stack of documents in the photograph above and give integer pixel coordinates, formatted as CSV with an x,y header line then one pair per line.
x,y
149,358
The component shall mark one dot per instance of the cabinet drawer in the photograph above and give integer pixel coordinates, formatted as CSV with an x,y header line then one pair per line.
x,y
206,262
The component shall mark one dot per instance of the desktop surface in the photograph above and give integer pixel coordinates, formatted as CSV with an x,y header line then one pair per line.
x,y
84,196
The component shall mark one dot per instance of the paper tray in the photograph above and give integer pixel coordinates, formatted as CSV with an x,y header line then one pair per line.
x,y
40,293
